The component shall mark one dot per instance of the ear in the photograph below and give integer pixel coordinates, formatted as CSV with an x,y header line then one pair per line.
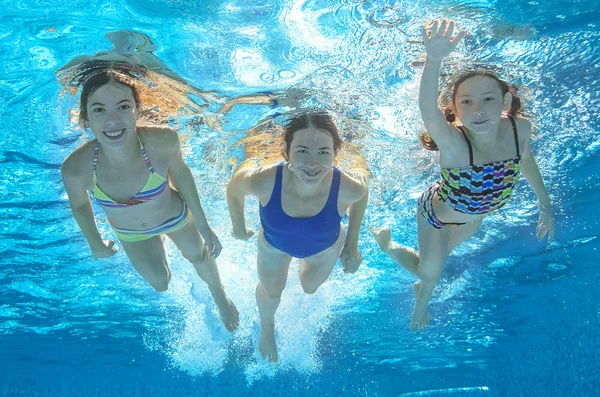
x,y
86,124
507,101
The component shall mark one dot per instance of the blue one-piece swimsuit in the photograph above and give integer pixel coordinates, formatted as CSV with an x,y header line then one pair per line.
x,y
301,237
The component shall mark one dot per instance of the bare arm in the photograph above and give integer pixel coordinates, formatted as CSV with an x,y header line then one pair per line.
x,y
438,44
531,173
356,191
183,180
244,182
81,207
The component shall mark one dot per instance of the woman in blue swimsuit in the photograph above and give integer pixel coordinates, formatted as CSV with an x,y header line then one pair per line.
x,y
482,155
302,201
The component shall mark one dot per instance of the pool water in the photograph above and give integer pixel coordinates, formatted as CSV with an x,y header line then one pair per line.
x,y
510,317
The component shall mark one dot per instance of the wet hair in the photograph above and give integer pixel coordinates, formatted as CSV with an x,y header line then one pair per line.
x,y
515,106
99,79
316,119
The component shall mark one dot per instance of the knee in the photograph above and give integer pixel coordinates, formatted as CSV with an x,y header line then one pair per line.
x,y
430,278
197,256
270,293
160,281
310,289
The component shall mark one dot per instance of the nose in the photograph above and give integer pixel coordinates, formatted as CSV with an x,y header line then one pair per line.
x,y
478,114
112,118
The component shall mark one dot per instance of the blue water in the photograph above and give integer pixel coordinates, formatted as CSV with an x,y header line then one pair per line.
x,y
510,317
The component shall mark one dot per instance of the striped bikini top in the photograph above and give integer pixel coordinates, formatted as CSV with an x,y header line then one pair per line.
x,y
154,186
479,189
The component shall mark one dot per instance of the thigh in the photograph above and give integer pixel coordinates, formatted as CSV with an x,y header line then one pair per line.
x,y
434,249
319,266
189,241
148,257
461,233
272,265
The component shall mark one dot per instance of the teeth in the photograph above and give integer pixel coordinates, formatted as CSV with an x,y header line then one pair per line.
x,y
113,134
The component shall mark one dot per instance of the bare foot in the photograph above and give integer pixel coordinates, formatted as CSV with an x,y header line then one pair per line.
x,y
266,345
420,316
229,313
382,236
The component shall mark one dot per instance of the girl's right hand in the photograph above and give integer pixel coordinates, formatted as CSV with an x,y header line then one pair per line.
x,y
108,249
438,41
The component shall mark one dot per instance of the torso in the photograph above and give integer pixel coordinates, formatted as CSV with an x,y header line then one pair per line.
x,y
469,191
121,184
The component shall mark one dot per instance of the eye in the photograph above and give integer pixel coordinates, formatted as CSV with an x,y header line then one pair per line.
x,y
465,102
97,110
301,151
324,152
488,99
125,107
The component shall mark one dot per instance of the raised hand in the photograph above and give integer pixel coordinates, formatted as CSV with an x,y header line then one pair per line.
x,y
439,42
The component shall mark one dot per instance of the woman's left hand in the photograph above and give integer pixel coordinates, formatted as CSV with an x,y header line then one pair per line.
x,y
545,223
212,243
351,258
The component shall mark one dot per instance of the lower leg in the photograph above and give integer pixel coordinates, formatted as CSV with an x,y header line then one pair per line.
x,y
406,257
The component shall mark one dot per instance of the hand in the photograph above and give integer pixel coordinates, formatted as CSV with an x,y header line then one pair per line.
x,y
438,41
213,245
545,223
351,258
244,235
108,249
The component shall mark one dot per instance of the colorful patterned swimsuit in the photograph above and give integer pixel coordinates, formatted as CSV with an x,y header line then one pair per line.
x,y
474,189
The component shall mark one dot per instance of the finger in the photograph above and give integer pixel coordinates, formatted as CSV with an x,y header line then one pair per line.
x,y
434,29
424,35
450,29
457,39
551,234
442,31
111,243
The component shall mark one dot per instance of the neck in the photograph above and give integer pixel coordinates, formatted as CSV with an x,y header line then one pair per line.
x,y
301,189
486,140
124,154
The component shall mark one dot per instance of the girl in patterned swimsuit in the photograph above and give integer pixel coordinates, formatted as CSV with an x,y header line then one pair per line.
x,y
127,170
481,157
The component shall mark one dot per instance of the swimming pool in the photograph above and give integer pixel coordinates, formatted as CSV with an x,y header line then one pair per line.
x,y
511,316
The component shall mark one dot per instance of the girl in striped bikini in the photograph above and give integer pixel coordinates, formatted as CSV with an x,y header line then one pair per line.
x,y
127,170
482,155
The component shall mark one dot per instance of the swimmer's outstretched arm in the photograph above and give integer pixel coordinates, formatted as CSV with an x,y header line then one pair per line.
x,y
81,207
183,180
438,45
354,189
531,172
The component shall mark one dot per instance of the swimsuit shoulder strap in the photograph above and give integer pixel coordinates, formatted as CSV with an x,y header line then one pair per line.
x,y
143,149
334,190
95,160
468,144
514,125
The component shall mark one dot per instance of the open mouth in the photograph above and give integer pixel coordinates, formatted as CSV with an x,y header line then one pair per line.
x,y
480,122
114,134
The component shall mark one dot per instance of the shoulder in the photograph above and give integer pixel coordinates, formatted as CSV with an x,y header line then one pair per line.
x,y
80,161
160,142
523,130
353,186
258,181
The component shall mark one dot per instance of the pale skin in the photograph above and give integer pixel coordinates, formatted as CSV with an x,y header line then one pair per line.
x,y
305,189
121,173
479,105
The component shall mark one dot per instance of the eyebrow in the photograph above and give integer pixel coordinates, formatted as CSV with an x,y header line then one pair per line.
x,y
306,147
485,93
101,104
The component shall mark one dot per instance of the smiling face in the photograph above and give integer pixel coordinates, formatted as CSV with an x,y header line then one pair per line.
x,y
311,155
112,113
479,102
